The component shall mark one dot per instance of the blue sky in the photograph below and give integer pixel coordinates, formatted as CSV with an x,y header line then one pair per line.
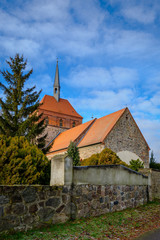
x,y
109,54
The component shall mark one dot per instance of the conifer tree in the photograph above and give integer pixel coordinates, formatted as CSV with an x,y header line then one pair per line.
x,y
152,158
19,106
73,152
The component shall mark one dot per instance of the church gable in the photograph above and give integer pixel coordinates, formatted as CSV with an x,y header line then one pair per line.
x,y
127,137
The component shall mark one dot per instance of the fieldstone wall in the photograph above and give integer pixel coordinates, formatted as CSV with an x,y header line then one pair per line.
x,y
128,137
52,132
86,191
94,200
24,207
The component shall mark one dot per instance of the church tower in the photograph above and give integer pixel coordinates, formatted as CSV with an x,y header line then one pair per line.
x,y
56,87
58,112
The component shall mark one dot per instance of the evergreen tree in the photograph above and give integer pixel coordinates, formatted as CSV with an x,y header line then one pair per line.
x,y
22,162
153,164
19,107
73,152
152,158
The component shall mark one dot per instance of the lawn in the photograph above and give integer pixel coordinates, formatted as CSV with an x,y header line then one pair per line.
x,y
126,224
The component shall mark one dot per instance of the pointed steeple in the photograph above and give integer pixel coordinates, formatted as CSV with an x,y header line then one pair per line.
x,y
56,89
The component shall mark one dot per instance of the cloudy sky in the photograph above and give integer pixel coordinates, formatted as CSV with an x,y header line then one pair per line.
x,y
108,50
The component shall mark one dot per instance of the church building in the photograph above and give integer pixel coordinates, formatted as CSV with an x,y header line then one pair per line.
x,y
59,113
117,131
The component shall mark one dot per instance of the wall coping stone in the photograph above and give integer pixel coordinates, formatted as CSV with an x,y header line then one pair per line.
x,y
110,166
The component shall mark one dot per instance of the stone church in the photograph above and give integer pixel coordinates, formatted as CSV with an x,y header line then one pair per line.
x,y
59,113
117,131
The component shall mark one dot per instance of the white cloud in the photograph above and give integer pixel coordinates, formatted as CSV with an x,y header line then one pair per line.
x,y
149,106
102,78
23,46
104,100
58,26
139,13
130,43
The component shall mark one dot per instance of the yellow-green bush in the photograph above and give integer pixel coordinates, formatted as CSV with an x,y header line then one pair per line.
x,y
93,160
22,162
107,156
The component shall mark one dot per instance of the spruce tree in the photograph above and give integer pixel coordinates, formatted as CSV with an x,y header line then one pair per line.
x,y
19,105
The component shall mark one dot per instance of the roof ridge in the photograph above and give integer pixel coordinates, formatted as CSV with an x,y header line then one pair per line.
x,y
123,110
85,131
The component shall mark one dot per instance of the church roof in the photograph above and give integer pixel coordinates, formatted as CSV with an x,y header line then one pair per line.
x,y
89,133
62,141
63,106
100,129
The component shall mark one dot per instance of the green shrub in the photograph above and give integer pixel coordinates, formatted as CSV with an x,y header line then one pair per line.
x,y
107,156
136,164
22,163
73,152
93,160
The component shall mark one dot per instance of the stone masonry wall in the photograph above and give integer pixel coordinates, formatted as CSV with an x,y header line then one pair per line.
x,y
128,137
52,132
24,207
155,180
94,200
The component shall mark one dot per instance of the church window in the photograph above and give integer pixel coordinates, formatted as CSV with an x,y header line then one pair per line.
x,y
61,123
55,90
47,121
73,124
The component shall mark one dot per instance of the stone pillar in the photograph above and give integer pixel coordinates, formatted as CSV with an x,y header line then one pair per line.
x,y
61,170
148,173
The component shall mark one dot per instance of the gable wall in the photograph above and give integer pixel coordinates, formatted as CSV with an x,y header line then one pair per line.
x,y
87,151
52,132
125,136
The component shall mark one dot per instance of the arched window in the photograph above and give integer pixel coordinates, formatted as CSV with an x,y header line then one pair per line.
x,y
55,90
47,121
61,123
73,124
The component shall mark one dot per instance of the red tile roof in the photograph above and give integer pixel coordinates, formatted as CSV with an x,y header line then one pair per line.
x,y
62,141
100,129
63,106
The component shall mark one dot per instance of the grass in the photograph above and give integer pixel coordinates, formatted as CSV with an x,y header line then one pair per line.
x,y
126,224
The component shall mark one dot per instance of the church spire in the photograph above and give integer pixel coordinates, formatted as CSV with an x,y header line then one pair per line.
x,y
56,91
